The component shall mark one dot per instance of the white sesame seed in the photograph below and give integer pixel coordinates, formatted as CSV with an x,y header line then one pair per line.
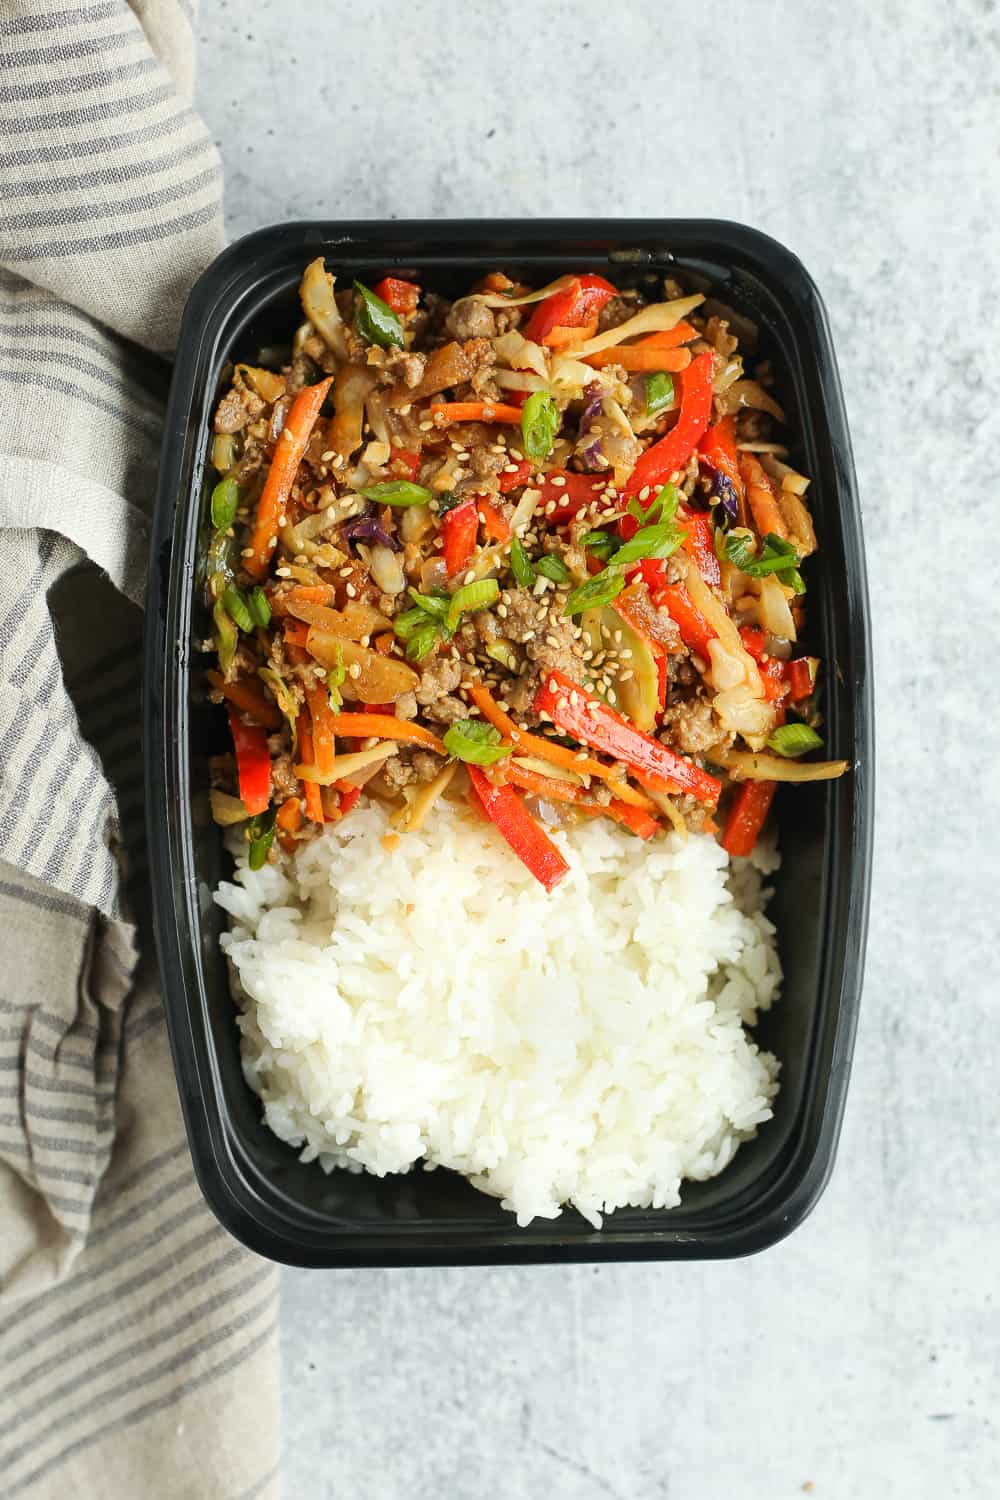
x,y
354,670
425,427
502,611
550,507
247,552
283,572
470,576
558,480
345,573
366,640
574,697
326,457
553,685
351,591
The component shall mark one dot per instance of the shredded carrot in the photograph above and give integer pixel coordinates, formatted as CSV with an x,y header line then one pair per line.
x,y
289,815
650,353
303,593
543,786
249,696
559,337
296,634
383,643
443,412
323,727
559,755
385,727
310,790
760,495
287,456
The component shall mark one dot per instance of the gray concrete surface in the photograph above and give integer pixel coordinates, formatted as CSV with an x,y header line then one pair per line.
x,y
861,1356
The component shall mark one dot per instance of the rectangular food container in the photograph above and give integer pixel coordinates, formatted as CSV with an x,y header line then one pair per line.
x,y
260,1191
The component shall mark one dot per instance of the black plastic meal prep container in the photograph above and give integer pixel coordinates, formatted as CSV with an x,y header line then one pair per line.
x,y
261,1192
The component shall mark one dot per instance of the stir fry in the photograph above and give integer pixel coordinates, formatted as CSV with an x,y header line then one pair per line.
x,y
538,548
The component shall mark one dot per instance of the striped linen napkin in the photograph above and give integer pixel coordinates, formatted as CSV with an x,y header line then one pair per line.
x,y
138,1342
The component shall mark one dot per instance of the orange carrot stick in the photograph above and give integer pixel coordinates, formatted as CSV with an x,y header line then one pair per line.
x,y
287,456
311,791
323,727
760,495
543,786
386,727
443,412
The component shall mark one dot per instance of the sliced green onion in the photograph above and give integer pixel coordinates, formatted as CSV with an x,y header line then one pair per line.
x,y
662,507
397,492
375,319
659,392
237,608
650,541
539,425
520,565
335,679
225,503
285,699
504,653
599,590
221,560
793,740
422,641
226,636
470,597
476,741
435,605
775,556
409,621
601,543
553,567
447,501
224,451
258,606
261,833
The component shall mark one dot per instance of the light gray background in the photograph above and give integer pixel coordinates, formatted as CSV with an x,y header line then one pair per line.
x,y
862,1354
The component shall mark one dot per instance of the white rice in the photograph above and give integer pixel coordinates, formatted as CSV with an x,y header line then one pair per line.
x,y
430,1002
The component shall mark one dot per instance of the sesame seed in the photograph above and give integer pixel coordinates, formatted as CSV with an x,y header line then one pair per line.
x,y
366,640
470,576
574,697
345,573
553,685
502,611
404,411
351,591
550,508
624,677
470,657
354,670
551,640
516,454
625,655
326,457
282,520
509,468
247,552
283,572
546,718
272,543
425,427
558,480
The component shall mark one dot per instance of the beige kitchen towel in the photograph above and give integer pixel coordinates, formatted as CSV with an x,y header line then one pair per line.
x,y
138,1342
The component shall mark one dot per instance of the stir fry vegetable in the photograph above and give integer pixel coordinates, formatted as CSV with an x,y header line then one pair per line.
x,y
535,546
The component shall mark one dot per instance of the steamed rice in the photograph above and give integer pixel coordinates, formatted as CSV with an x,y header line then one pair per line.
x,y
428,1002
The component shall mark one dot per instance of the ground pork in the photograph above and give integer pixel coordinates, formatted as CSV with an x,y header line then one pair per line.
x,y
690,725
470,319
437,679
237,407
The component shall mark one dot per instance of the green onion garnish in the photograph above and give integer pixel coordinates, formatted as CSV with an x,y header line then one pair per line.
x,y
375,319
470,597
520,565
476,741
261,834
599,590
539,425
397,492
659,392
258,606
225,503
650,541
422,641
335,680
237,607
435,605
793,740
775,556
226,636
552,567
601,543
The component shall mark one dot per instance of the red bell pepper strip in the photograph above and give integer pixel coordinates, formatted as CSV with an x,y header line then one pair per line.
x,y
401,296
575,305
405,462
746,818
772,676
348,796
288,450
699,544
695,630
656,465
753,641
517,398
801,674
519,473
529,841
494,522
253,764
459,527
593,722
566,499
718,448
